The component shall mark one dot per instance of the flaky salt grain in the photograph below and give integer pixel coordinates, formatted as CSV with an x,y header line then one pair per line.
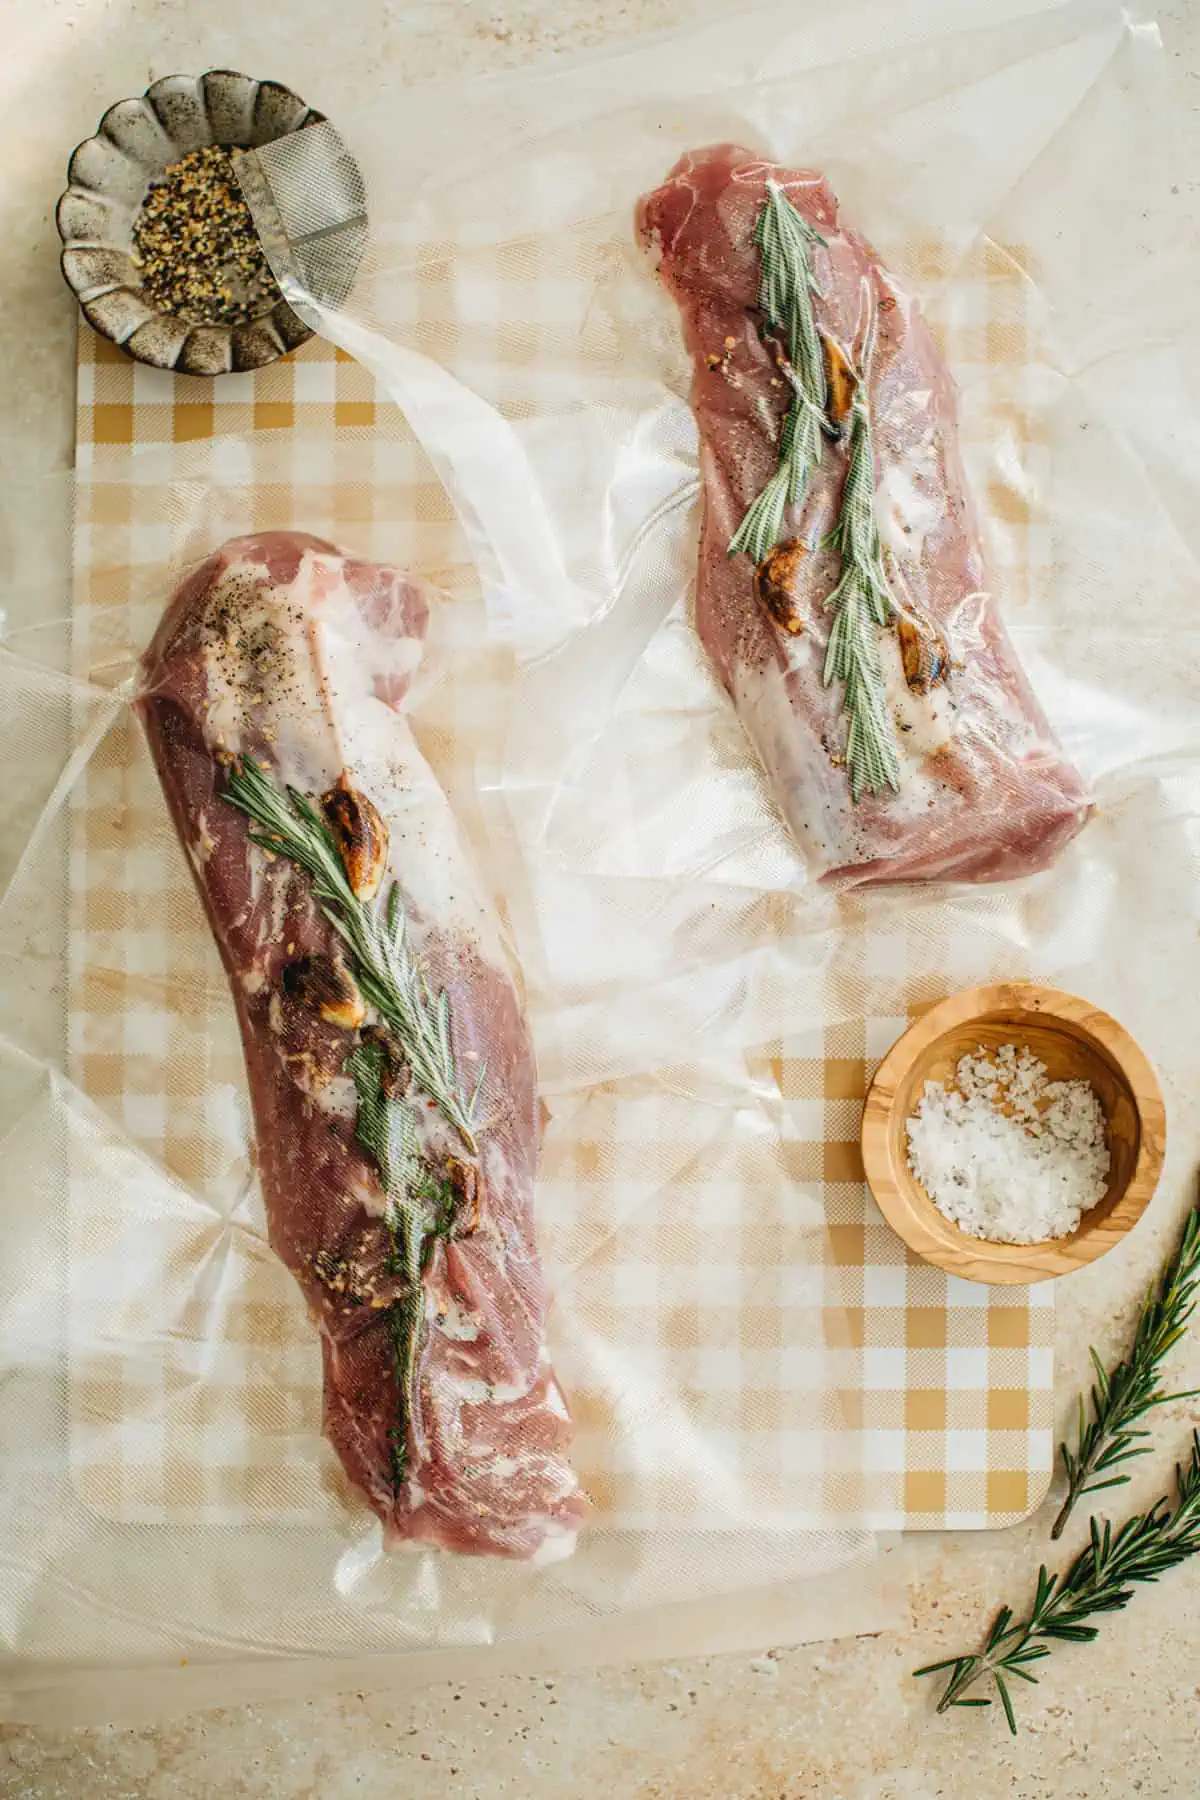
x,y
1007,1154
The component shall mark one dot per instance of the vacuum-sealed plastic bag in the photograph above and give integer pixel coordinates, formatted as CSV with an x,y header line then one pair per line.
x,y
163,1425
731,1335
507,304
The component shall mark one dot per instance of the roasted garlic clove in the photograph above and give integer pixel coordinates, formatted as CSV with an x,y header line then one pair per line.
x,y
361,837
327,986
464,1184
840,380
923,653
394,1072
777,583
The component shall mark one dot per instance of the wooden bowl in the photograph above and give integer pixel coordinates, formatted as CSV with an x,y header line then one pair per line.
x,y
1075,1041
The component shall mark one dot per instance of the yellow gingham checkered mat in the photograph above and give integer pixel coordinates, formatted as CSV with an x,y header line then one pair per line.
x,y
198,1401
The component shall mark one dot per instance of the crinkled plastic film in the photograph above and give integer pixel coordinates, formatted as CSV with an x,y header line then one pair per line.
x,y
167,1489
505,305
996,157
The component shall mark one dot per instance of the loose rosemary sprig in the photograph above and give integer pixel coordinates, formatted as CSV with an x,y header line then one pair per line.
x,y
1100,1580
785,289
384,967
420,1208
1132,1389
861,601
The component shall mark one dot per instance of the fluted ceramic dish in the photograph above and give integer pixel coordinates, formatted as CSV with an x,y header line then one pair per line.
x,y
110,175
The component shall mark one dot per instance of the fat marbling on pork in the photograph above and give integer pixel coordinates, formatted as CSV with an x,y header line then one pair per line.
x,y
281,650
984,791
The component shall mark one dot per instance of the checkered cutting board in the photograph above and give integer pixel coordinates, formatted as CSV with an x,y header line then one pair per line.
x,y
194,1397
950,1383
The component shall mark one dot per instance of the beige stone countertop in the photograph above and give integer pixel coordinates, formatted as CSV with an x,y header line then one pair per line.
x,y
841,1719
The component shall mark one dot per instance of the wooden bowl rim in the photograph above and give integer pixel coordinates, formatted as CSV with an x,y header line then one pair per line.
x,y
978,1259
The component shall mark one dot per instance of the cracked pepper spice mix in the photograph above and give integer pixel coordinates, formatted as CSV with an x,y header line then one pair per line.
x,y
195,246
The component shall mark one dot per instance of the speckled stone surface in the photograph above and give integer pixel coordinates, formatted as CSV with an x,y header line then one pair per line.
x,y
839,1721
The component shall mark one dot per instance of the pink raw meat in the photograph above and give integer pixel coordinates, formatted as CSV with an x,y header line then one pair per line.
x,y
986,794
281,648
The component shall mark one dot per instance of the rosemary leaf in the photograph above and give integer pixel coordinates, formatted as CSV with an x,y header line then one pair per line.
x,y
1006,1702
786,286
419,1209
376,937
1132,1389
1102,1579
386,1129
861,601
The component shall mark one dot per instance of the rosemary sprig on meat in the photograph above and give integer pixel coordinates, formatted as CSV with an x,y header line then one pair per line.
x,y
1132,1389
420,1209
786,286
1100,1580
861,602
375,934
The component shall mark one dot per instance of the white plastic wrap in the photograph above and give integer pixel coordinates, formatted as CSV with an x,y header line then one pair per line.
x,y
506,304
183,1504
167,1490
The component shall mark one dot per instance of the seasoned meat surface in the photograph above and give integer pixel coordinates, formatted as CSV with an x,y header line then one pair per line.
x,y
280,649
985,792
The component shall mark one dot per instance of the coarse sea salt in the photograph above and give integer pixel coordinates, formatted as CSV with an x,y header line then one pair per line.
x,y
1007,1154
